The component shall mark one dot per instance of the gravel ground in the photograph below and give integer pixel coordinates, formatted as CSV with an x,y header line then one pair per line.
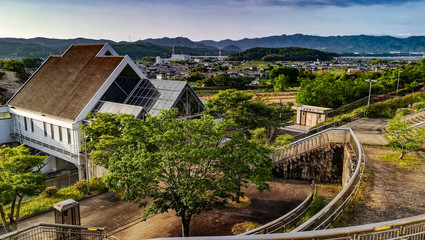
x,y
392,192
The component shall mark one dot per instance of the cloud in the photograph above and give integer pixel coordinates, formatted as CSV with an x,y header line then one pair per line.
x,y
337,3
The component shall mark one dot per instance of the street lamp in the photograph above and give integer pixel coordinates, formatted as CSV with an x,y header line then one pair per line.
x,y
398,81
370,88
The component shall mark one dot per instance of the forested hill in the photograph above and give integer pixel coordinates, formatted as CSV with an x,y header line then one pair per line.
x,y
282,54
17,48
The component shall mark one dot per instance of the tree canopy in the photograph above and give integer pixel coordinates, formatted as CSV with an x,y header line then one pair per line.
x,y
245,111
182,165
403,137
20,176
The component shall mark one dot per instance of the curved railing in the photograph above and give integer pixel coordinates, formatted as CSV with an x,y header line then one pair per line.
x,y
287,221
406,228
331,211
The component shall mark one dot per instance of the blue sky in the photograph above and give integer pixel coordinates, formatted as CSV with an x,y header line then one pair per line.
x,y
124,20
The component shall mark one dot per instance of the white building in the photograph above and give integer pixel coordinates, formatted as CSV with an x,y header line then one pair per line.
x,y
48,110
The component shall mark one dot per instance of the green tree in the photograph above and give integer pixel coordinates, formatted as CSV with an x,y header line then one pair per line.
x,y
148,60
245,112
280,83
403,137
246,161
291,72
20,176
32,62
182,165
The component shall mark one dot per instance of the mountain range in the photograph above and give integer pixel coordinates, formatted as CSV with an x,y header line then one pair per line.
x,y
365,44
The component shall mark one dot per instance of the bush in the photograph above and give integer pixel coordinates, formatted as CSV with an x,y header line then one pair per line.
x,y
48,192
244,227
97,184
81,186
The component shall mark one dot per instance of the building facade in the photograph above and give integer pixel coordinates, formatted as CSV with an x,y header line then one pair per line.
x,y
48,110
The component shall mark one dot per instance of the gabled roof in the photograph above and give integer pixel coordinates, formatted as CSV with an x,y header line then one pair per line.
x,y
64,85
169,94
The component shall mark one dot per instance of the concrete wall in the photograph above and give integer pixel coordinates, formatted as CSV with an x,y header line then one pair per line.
x,y
323,164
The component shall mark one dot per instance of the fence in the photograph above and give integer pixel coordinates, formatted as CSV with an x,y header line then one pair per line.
x,y
47,231
333,124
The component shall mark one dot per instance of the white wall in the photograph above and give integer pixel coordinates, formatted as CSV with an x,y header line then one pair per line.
x,y
5,126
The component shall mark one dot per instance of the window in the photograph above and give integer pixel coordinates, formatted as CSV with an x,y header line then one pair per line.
x,y
60,133
5,115
32,125
25,124
45,129
68,133
52,131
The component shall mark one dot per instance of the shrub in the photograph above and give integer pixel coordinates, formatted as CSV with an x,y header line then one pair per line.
x,y
48,192
81,186
97,184
244,227
69,192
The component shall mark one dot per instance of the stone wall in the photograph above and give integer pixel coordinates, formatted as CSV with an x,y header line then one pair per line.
x,y
322,164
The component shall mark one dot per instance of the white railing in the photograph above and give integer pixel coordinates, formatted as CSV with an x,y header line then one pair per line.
x,y
66,149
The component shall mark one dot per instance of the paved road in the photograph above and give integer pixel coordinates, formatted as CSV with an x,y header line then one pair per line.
x,y
369,130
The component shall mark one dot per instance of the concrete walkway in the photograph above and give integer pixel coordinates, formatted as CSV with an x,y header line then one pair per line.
x,y
369,130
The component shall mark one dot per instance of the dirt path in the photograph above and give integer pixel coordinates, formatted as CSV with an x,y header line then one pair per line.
x,y
392,191
122,219
285,195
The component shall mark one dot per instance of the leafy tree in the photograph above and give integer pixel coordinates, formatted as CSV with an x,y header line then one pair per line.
x,y
20,176
195,77
280,83
14,66
247,113
182,165
148,60
32,62
246,161
291,72
403,137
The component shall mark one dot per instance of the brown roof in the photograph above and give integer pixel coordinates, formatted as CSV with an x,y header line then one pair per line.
x,y
64,85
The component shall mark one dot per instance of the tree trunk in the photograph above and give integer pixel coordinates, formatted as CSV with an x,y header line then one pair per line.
x,y
185,224
401,155
3,219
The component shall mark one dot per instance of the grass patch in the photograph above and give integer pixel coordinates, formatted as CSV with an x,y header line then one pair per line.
x,y
317,205
243,203
244,227
357,203
410,160
42,203
206,92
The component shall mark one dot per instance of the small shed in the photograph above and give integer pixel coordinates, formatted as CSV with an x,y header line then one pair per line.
x,y
67,212
310,116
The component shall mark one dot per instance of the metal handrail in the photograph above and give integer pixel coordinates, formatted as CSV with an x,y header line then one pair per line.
x,y
324,217
403,227
12,235
328,125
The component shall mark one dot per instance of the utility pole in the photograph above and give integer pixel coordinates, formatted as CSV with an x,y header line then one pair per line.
x,y
370,89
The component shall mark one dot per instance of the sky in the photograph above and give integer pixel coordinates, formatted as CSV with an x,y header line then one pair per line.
x,y
131,20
